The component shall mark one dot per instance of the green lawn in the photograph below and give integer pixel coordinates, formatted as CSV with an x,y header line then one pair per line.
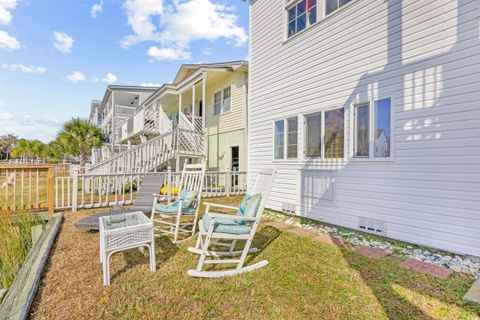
x,y
304,279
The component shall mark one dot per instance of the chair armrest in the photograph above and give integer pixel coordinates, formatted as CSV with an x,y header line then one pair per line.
x,y
230,216
209,204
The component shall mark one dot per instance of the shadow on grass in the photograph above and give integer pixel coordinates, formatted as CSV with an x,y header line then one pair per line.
x,y
164,250
403,294
263,238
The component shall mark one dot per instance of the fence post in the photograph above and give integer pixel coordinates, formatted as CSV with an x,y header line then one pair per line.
x,y
51,190
228,183
169,182
75,190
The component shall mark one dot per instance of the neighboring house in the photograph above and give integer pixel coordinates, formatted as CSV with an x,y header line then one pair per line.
x,y
326,75
118,104
215,130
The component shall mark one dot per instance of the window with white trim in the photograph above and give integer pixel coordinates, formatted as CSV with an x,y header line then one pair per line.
x,y
372,129
325,134
222,101
302,14
334,5
286,138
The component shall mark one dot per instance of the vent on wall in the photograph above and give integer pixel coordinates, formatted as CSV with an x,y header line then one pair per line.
x,y
288,208
372,226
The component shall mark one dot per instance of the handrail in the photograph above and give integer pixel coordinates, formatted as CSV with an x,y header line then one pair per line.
x,y
130,150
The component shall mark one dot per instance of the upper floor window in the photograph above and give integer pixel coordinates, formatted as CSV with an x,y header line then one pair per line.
x,y
286,138
222,101
373,132
301,15
333,5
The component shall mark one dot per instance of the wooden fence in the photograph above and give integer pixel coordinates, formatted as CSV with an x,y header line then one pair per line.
x,y
103,190
25,187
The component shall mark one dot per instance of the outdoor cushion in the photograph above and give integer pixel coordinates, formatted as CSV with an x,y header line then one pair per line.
x,y
188,208
252,205
223,225
171,209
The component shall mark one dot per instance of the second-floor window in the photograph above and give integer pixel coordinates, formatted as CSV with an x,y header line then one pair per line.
x,y
222,101
301,14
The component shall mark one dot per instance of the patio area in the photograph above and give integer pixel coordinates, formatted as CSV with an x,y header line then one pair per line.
x,y
306,278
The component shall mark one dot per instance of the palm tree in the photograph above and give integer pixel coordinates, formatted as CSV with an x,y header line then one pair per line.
x,y
22,149
37,149
80,136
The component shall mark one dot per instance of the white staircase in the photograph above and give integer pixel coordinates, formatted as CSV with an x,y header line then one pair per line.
x,y
145,157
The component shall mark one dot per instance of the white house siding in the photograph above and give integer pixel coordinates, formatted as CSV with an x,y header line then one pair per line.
x,y
425,55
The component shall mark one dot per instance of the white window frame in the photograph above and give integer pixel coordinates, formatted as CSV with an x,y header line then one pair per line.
x,y
322,134
285,138
371,142
222,101
321,15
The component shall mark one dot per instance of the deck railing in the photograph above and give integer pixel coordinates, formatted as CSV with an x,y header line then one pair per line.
x,y
82,191
29,187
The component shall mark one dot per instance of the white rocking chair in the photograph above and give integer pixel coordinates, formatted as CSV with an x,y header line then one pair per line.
x,y
231,229
179,218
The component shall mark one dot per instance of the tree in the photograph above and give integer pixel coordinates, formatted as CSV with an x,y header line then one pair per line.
x,y
80,136
6,144
22,149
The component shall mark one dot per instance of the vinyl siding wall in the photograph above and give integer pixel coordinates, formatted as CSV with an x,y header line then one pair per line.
x,y
226,130
425,55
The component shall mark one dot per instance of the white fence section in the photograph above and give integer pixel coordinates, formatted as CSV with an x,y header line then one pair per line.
x,y
82,191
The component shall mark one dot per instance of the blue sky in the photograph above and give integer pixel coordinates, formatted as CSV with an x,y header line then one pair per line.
x,y
55,56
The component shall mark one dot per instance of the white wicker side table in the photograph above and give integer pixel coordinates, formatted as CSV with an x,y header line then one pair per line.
x,y
135,232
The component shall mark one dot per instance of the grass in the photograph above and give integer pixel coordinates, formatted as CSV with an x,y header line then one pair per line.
x,y
15,242
304,279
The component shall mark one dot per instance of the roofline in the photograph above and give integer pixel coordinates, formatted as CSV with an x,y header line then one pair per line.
x,y
209,65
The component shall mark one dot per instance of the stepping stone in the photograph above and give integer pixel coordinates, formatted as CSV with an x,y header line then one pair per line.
x,y
329,239
278,225
303,232
426,268
473,294
370,252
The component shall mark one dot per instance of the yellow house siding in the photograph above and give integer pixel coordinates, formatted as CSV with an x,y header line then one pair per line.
x,y
235,118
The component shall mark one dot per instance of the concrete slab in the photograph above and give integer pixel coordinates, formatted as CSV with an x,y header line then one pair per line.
x,y
473,294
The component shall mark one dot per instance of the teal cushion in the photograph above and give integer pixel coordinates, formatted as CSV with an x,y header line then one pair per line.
x,y
223,225
253,205
243,205
172,209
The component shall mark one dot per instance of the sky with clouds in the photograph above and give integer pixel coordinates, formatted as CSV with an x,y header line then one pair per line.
x,y
57,55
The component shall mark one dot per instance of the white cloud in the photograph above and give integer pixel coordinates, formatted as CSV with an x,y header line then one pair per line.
x,y
140,13
63,42
23,68
96,9
3,104
8,42
76,76
168,53
109,78
150,84
180,24
5,7
207,52
6,116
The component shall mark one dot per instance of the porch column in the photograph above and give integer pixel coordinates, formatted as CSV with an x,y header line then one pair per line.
x,y
193,106
204,100
113,121
179,103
